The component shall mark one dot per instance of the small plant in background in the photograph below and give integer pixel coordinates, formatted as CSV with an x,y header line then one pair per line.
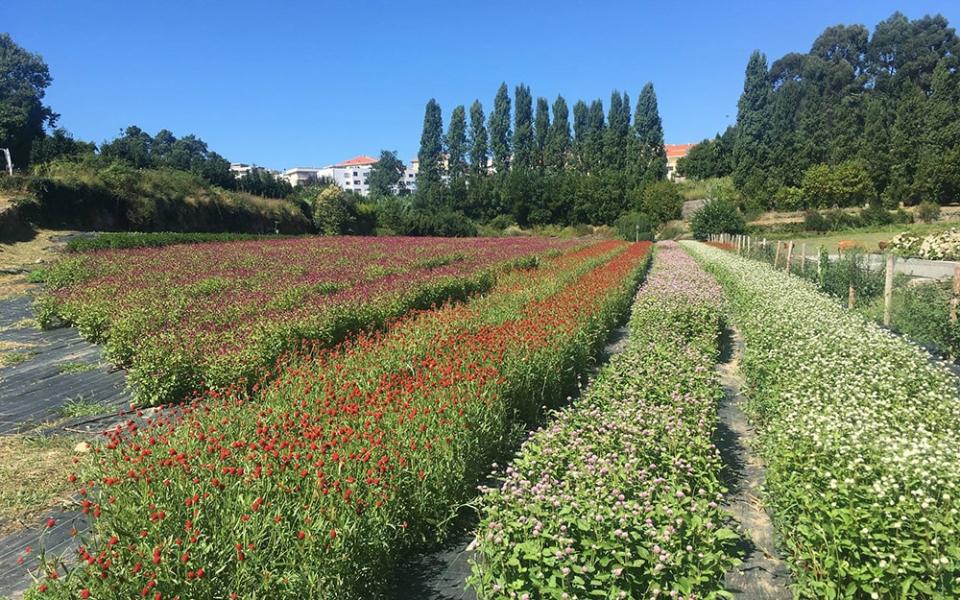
x,y
928,211
717,216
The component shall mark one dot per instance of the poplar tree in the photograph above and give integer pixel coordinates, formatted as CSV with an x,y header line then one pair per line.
x,y
430,173
457,143
523,129
541,132
650,155
558,142
594,138
478,140
618,132
581,131
500,130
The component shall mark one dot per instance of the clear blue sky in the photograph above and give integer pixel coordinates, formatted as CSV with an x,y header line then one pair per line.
x,y
306,84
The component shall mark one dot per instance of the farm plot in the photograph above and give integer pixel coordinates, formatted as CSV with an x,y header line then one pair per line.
x,y
618,497
186,316
311,484
861,435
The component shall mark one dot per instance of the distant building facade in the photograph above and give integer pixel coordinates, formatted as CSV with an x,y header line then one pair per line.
x,y
674,153
350,175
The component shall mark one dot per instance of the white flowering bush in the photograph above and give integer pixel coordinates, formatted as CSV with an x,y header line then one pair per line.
x,y
618,497
860,431
936,246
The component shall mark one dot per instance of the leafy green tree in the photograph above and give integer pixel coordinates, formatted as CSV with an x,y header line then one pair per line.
x,y
457,143
478,140
132,146
59,144
717,216
649,153
660,200
500,130
24,78
523,142
386,176
541,132
847,184
557,150
430,172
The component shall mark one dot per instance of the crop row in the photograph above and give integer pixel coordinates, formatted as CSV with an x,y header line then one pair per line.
x,y
315,482
860,431
618,497
185,316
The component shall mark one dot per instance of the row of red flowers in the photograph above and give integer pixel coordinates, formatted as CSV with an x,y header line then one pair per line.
x,y
313,484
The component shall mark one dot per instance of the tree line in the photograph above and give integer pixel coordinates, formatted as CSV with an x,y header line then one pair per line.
x,y
533,163
859,119
28,127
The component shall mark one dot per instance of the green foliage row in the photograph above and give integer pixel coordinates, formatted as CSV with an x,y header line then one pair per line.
x,y
859,431
115,240
99,193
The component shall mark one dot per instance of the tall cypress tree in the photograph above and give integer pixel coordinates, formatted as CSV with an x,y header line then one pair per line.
x,y
650,155
596,126
618,131
541,132
457,143
751,150
478,140
581,133
500,130
523,129
430,173
558,143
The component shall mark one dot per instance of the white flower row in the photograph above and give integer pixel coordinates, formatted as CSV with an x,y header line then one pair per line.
x,y
861,434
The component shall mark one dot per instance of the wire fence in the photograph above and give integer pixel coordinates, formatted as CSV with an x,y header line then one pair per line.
x,y
916,298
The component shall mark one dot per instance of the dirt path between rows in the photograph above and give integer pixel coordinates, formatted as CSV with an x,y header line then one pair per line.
x,y
762,575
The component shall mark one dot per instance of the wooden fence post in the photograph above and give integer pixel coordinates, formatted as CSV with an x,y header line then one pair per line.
x,y
789,255
776,255
851,297
955,300
748,246
803,257
888,290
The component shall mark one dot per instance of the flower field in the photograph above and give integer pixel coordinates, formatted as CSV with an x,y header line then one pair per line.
x,y
343,458
861,435
192,315
618,496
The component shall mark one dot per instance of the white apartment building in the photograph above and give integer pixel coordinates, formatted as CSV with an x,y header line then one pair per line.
x,y
349,175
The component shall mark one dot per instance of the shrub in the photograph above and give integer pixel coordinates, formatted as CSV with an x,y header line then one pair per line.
x,y
928,211
846,184
874,216
717,216
634,226
814,221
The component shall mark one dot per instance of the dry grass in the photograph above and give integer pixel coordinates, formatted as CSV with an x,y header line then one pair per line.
x,y
13,353
29,253
33,477
13,285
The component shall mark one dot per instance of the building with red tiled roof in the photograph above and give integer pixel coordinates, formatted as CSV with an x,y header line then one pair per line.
x,y
674,153
358,161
